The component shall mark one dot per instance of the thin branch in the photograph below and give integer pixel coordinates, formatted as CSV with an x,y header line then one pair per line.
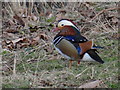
x,y
14,66
99,14
81,73
103,12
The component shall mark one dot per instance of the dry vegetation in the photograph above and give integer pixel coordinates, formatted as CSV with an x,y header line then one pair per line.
x,y
28,56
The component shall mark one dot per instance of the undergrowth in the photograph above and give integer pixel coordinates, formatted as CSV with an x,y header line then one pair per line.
x,y
41,66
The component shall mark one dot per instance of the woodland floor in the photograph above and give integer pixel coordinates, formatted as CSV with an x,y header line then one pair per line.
x,y
29,59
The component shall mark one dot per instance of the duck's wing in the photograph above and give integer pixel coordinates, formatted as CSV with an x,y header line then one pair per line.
x,y
66,48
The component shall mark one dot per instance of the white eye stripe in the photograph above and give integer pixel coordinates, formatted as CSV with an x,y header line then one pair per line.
x,y
66,22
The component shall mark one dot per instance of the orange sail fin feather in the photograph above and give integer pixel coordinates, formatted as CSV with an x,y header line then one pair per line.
x,y
85,46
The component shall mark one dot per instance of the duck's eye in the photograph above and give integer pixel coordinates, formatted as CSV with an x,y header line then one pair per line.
x,y
62,24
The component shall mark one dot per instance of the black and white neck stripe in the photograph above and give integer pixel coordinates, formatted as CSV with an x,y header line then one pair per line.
x,y
57,40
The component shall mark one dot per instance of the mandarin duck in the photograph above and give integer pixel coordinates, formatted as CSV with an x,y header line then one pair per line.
x,y
71,44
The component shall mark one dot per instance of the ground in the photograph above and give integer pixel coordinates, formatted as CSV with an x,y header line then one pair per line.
x,y
29,59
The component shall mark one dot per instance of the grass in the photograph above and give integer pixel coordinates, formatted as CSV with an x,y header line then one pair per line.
x,y
59,76
55,73
36,70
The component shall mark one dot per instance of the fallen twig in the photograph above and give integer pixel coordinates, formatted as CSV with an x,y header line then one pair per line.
x,y
102,12
81,73
92,84
99,14
15,61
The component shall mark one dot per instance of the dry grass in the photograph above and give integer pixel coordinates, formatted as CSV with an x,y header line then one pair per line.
x,y
41,66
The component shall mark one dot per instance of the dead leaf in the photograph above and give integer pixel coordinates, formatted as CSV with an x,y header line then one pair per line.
x,y
3,43
23,12
33,43
10,46
7,44
42,14
36,38
92,84
48,12
12,30
21,42
19,20
8,36
22,45
115,35
17,43
8,23
33,29
43,36
114,20
34,18
61,15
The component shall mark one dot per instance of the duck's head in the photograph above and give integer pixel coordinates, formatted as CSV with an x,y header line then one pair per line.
x,y
65,22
